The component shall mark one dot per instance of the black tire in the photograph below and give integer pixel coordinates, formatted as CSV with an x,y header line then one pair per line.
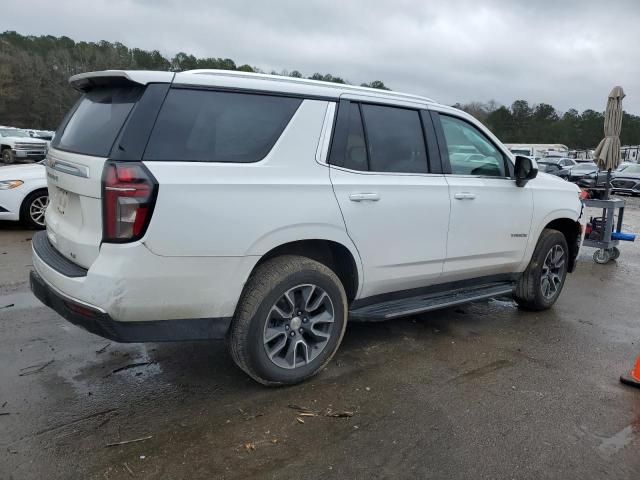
x,y
7,156
265,287
529,291
28,209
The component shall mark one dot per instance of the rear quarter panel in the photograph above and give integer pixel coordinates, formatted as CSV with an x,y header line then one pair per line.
x,y
240,209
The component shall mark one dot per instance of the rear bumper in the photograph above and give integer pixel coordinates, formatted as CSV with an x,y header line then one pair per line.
x,y
97,321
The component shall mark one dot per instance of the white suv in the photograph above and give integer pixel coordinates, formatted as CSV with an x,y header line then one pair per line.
x,y
269,210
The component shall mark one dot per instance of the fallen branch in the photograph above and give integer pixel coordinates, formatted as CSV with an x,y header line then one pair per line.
x,y
125,442
36,370
132,365
128,469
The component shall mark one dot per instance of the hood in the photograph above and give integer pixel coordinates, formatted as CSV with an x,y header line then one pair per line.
x,y
22,172
35,141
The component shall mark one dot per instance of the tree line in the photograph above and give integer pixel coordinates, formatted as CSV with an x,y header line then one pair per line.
x,y
542,123
34,73
34,89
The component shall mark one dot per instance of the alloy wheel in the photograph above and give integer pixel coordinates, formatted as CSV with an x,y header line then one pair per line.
x,y
299,326
553,270
38,208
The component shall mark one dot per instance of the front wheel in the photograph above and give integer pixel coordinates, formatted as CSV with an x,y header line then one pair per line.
x,y
33,209
289,322
542,281
7,156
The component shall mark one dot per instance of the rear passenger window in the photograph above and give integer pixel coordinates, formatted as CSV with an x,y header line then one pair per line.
x,y
210,126
354,153
396,142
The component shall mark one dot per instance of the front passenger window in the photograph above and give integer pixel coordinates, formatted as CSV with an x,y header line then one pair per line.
x,y
470,152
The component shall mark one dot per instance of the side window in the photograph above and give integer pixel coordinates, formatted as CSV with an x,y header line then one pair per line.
x,y
395,139
470,152
349,149
211,126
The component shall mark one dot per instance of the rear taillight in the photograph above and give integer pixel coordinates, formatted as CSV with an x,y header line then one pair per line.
x,y
128,196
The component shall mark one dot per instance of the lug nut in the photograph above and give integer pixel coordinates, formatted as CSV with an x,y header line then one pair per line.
x,y
293,334
286,327
301,331
305,320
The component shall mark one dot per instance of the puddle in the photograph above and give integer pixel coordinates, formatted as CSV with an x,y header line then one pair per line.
x,y
624,437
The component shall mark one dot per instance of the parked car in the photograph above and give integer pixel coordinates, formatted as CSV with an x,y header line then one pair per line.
x,y
549,167
18,144
575,173
625,179
268,210
23,194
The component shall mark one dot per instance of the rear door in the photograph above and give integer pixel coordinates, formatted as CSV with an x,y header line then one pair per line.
x,y
393,198
82,145
490,215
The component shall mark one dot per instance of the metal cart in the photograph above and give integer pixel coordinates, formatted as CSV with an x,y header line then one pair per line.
x,y
602,234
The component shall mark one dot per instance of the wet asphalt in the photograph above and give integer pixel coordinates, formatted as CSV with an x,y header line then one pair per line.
x,y
479,391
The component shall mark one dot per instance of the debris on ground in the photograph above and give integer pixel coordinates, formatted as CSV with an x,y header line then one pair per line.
x,y
103,349
8,306
4,413
128,469
250,447
248,416
299,420
125,442
308,412
31,369
132,365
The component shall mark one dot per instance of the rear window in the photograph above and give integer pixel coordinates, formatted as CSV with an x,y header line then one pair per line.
x,y
212,126
97,119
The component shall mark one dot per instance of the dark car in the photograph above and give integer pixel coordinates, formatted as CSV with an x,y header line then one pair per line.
x,y
578,172
548,167
625,179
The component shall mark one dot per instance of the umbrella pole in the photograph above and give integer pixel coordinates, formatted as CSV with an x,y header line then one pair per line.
x,y
607,187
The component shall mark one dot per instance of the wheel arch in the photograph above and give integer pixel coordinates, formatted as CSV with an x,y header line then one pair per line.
x,y
23,203
572,231
335,255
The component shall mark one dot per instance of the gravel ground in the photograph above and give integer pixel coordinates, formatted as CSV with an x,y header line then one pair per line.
x,y
479,391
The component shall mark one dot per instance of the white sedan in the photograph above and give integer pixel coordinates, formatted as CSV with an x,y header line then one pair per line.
x,y
23,194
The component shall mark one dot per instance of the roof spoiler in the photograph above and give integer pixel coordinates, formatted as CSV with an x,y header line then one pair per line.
x,y
84,82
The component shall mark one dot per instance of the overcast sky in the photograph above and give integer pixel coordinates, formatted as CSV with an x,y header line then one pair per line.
x,y
564,52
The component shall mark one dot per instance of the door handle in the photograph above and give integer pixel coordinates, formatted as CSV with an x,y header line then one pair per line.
x,y
464,196
362,197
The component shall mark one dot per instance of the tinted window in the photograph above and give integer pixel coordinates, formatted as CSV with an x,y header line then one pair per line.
x,y
97,119
470,152
208,126
349,149
396,142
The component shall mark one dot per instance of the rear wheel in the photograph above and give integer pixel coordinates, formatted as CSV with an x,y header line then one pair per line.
x,y
543,280
7,156
602,256
289,322
33,209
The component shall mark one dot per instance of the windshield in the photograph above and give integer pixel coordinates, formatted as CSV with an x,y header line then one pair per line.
x,y
10,132
547,167
584,168
631,169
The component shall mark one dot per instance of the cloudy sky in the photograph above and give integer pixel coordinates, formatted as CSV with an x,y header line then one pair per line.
x,y
565,52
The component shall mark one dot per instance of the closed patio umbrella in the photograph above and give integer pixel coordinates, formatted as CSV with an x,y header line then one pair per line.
x,y
607,154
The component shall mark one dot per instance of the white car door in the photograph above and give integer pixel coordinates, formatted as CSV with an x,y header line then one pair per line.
x,y
490,216
395,210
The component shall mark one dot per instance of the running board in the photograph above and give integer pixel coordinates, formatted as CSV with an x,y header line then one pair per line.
x,y
424,303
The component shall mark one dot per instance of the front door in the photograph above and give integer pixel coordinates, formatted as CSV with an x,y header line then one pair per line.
x,y
490,215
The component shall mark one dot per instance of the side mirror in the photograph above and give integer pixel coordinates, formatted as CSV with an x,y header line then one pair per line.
x,y
526,169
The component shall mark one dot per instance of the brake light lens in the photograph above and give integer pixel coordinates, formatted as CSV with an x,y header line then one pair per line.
x,y
129,193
